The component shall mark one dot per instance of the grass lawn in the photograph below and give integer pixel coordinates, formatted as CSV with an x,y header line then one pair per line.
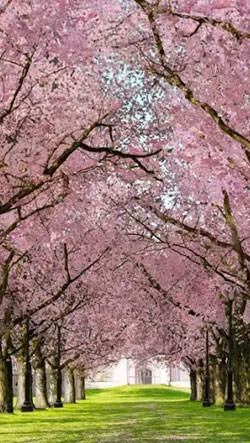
x,y
129,414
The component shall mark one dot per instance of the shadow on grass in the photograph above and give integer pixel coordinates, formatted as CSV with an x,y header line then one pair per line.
x,y
131,414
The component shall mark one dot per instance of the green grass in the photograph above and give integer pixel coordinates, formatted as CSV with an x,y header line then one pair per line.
x,y
129,414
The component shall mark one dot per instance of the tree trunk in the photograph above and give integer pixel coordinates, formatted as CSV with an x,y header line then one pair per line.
x,y
200,381
41,386
69,386
241,372
220,378
80,387
40,379
9,373
3,386
51,384
193,383
20,382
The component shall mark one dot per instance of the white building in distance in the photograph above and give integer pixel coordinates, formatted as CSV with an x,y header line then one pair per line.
x,y
128,372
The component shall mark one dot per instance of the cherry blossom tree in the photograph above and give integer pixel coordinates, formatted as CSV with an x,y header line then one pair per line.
x,y
194,51
89,212
57,120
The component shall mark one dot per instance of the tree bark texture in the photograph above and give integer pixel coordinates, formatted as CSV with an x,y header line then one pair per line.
x,y
51,383
41,387
3,386
193,384
80,387
20,382
69,386
40,379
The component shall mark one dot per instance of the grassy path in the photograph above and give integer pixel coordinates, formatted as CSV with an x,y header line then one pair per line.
x,y
129,414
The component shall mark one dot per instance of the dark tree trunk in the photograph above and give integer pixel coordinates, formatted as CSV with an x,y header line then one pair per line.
x,y
69,386
193,384
83,388
58,403
213,381
9,385
241,372
21,365
80,387
239,360
200,377
4,403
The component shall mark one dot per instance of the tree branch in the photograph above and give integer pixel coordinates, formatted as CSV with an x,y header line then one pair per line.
x,y
173,79
21,80
228,27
